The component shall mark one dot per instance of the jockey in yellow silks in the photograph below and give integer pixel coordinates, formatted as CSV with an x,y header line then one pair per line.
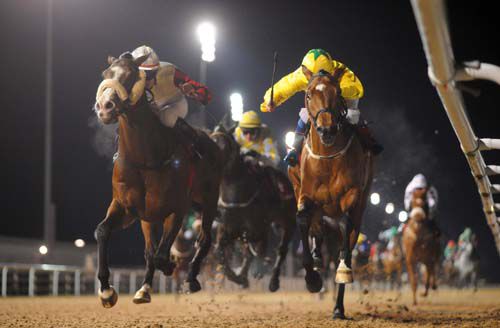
x,y
316,61
253,136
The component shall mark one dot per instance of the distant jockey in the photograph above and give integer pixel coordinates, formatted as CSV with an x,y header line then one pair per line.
x,y
316,61
388,236
419,182
167,88
362,243
450,250
253,136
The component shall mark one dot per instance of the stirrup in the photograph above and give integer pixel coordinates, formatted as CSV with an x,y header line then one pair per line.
x,y
291,157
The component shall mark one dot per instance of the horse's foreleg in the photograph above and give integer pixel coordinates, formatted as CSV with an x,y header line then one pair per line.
x,y
344,273
274,283
171,227
143,295
204,242
313,279
102,233
410,267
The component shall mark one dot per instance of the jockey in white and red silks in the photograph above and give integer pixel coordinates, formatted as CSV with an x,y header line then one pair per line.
x,y
167,87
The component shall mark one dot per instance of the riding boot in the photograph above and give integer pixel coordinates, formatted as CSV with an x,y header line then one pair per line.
x,y
292,157
189,137
367,139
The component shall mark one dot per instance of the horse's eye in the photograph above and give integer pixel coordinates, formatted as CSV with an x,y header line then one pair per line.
x,y
308,96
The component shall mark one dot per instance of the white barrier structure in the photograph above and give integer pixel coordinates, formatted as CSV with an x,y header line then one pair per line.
x,y
443,73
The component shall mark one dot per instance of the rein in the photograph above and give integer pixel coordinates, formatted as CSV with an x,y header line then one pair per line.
x,y
332,156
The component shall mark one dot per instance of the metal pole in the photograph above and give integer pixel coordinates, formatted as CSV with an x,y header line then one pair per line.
x,y
203,80
31,282
49,222
77,283
4,281
55,283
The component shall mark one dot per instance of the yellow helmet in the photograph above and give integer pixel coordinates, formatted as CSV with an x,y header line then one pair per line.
x,y
361,238
250,120
318,60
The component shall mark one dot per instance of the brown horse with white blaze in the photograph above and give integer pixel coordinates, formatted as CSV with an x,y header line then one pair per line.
x,y
333,180
155,179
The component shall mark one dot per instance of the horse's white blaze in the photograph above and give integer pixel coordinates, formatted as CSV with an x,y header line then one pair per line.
x,y
320,87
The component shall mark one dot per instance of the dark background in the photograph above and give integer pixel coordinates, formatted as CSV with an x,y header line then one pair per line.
x,y
378,40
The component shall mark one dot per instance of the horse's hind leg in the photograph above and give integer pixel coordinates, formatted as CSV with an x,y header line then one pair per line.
x,y
274,283
143,295
171,227
204,242
114,218
314,283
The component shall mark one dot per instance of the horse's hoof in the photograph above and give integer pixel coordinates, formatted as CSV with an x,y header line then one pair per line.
x,y
338,314
314,283
143,295
164,265
244,283
344,274
194,286
274,284
108,297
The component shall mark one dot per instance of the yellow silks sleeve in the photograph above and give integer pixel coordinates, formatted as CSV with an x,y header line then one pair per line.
x,y
285,88
350,85
296,81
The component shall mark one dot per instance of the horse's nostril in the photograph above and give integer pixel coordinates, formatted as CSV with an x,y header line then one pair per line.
x,y
97,106
101,114
109,105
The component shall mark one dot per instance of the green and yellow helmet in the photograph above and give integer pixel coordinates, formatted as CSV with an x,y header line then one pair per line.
x,y
318,60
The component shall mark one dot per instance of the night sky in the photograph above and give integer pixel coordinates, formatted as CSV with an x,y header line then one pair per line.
x,y
378,40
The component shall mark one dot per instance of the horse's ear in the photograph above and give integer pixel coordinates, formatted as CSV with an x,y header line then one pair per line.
x,y
338,73
139,60
111,59
307,73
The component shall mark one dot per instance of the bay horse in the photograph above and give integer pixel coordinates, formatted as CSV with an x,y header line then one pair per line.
x,y
420,244
249,206
333,179
155,179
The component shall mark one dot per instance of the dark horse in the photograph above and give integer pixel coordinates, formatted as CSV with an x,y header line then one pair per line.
x,y
155,179
249,204
332,181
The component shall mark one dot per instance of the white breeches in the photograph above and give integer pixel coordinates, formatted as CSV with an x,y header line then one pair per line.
x,y
168,115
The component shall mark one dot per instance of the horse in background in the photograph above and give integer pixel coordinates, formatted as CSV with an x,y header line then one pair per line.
x,y
155,179
333,179
253,199
421,244
467,265
392,262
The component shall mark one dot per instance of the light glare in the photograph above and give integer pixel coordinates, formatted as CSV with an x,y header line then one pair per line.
x,y
43,250
290,139
236,106
79,243
389,208
403,216
206,35
375,198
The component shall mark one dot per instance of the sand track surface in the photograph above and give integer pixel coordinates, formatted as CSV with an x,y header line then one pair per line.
x,y
443,308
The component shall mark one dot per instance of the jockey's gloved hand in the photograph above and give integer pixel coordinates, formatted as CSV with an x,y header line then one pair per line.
x,y
291,158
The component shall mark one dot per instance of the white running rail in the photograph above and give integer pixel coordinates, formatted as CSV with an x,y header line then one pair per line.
x,y
444,73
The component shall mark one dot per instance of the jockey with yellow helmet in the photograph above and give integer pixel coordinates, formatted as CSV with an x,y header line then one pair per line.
x,y
253,136
167,88
316,61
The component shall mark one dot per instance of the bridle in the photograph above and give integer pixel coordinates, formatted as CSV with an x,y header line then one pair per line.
x,y
339,116
129,99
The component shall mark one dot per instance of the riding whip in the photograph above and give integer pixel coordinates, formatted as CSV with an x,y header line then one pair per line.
x,y
275,62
